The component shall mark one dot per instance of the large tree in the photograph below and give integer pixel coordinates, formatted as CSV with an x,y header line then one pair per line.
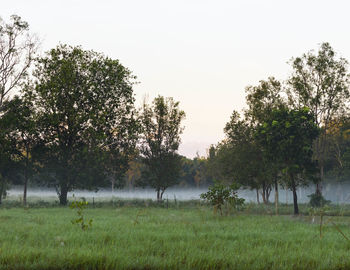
x,y
85,104
262,100
241,159
287,136
320,81
161,128
17,49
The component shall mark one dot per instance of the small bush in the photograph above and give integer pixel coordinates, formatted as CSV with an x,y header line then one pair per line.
x,y
317,200
220,195
81,220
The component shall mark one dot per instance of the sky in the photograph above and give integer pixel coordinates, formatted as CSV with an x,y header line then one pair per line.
x,y
202,53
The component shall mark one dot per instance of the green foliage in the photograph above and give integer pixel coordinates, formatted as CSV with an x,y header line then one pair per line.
x,y
161,129
320,82
317,200
220,195
287,137
81,220
85,107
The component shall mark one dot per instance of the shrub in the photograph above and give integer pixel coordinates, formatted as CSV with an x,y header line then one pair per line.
x,y
317,200
220,195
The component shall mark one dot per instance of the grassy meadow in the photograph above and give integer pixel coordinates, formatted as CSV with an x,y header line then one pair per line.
x,y
188,237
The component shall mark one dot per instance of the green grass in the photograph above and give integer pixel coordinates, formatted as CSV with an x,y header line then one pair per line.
x,y
176,238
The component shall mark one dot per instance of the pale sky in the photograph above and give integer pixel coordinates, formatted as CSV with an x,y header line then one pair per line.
x,y
203,53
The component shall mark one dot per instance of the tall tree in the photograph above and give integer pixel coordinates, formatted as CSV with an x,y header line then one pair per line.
x,y
262,100
287,136
320,81
17,50
161,128
243,158
85,103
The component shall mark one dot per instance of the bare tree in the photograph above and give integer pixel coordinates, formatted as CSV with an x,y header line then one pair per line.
x,y
17,50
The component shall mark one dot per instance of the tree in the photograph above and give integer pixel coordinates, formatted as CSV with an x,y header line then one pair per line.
x,y
134,172
8,149
337,163
262,100
17,50
287,136
21,123
85,105
161,129
258,172
320,82
243,158
194,172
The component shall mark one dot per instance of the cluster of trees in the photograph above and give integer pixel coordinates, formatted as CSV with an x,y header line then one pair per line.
x,y
73,124
193,173
292,133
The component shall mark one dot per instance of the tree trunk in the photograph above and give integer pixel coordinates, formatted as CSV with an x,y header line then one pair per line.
x,y
25,189
63,194
295,197
276,196
2,187
112,181
1,190
263,196
158,195
263,193
267,193
161,194
319,184
25,180
257,196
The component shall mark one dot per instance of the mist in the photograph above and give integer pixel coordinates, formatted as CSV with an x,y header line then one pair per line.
x,y
337,193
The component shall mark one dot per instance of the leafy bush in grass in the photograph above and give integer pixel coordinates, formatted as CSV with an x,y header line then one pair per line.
x,y
220,195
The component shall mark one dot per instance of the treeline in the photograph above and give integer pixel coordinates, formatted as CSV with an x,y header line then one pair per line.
x,y
68,120
292,133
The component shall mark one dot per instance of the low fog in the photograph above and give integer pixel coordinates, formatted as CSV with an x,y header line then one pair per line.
x,y
336,193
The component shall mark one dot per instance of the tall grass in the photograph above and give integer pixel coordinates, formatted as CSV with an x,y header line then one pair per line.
x,y
131,237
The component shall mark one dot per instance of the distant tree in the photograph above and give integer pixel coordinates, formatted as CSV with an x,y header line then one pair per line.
x,y
194,172
287,136
85,104
320,81
161,128
134,172
215,166
17,50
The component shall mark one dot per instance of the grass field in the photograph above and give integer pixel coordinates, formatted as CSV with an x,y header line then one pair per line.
x,y
131,237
